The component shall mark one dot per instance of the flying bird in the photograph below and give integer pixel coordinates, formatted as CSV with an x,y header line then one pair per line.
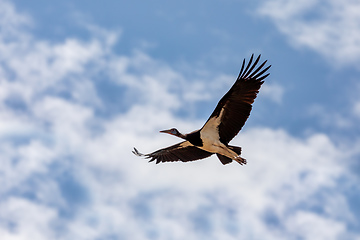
x,y
223,125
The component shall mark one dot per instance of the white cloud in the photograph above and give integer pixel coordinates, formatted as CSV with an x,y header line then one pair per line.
x,y
273,91
357,109
309,225
58,130
330,28
26,220
356,104
330,118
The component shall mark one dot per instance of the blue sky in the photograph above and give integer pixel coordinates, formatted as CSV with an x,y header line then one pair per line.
x,y
83,82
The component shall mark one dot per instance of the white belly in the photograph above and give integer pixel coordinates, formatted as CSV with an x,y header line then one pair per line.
x,y
218,147
211,140
210,136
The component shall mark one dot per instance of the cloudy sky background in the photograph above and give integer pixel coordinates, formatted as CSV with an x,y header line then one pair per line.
x,y
82,82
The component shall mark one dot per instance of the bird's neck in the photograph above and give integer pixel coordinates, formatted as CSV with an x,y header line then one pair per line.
x,y
180,135
194,138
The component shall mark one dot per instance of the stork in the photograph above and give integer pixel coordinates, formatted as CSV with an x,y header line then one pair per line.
x,y
223,125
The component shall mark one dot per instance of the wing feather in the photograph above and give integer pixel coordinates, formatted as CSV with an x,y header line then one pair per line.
x,y
235,106
183,151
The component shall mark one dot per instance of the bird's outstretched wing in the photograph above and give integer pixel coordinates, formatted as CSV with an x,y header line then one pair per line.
x,y
234,107
183,151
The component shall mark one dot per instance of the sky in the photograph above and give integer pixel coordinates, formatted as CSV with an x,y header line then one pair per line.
x,y
83,82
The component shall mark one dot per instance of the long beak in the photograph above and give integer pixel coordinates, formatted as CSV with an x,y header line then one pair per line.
x,y
166,131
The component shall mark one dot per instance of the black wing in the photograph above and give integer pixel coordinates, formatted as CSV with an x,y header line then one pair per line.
x,y
183,151
234,107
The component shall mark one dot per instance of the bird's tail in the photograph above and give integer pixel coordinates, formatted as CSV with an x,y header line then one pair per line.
x,y
235,149
225,160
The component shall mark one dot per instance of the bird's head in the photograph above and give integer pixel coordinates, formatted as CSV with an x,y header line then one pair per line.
x,y
172,131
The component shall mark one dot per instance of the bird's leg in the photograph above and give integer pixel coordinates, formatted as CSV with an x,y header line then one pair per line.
x,y
240,160
233,155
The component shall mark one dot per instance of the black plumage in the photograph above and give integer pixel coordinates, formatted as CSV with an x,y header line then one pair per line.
x,y
237,101
223,125
183,151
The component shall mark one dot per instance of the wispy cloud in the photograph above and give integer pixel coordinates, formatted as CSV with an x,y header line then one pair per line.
x,y
273,91
68,172
330,28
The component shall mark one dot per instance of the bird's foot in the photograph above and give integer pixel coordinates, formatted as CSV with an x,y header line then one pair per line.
x,y
240,160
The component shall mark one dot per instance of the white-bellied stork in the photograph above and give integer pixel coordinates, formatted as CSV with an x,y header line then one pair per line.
x,y
224,124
